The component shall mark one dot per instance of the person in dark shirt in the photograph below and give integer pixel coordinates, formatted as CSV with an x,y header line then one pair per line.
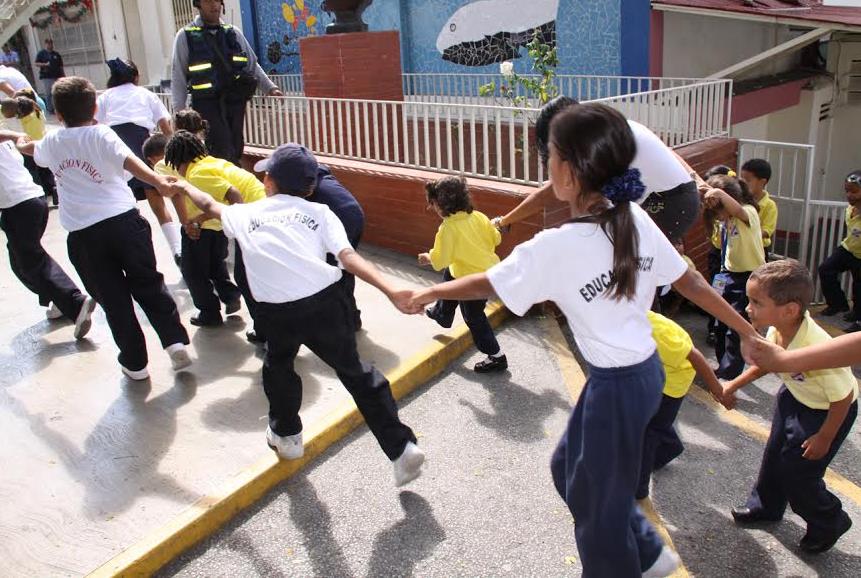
x,y
50,65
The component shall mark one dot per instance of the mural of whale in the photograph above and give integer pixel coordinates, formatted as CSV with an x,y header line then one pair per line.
x,y
488,31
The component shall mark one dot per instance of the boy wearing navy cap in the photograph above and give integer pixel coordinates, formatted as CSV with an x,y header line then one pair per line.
x,y
284,241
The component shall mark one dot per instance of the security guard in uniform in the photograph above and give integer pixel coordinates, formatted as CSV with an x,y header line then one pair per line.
x,y
215,64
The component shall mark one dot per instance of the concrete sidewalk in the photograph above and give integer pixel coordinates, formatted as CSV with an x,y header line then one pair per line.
x,y
93,461
486,505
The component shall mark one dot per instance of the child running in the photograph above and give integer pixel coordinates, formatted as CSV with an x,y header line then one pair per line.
x,y
601,269
284,240
465,243
756,173
110,244
846,257
133,112
204,245
25,108
23,218
682,362
732,206
813,415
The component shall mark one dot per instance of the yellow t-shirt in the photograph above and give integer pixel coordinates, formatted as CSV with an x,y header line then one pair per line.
x,y
674,346
34,125
192,211
816,389
215,177
715,238
465,243
767,217
852,242
744,250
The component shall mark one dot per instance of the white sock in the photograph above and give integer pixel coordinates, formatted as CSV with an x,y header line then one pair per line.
x,y
171,233
496,355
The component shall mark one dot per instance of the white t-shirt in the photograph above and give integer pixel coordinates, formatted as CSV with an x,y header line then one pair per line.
x,y
130,103
14,77
571,266
660,170
87,162
284,241
16,184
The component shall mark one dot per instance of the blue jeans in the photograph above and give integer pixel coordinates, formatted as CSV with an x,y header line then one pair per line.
x,y
596,468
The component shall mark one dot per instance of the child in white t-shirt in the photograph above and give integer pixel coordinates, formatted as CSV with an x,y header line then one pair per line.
x,y
133,112
601,269
110,244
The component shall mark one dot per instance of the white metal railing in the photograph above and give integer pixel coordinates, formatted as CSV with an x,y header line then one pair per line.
x,y
680,115
483,140
808,227
290,84
465,88
486,141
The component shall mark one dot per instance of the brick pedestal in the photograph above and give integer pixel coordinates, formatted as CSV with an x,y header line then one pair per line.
x,y
359,65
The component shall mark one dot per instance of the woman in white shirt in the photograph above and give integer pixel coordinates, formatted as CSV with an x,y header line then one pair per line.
x,y
133,112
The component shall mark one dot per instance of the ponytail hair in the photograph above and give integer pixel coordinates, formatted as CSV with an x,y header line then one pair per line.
x,y
599,146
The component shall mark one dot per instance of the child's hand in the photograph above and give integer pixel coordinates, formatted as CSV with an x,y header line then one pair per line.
x,y
424,259
816,446
419,300
497,222
713,198
192,229
728,398
402,299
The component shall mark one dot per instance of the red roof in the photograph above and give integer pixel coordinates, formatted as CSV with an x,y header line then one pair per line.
x,y
812,11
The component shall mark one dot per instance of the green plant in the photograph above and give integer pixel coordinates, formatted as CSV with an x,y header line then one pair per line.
x,y
540,85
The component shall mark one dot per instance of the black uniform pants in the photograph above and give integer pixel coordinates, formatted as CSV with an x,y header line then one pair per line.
x,y
323,324
204,269
226,118
116,262
829,277
661,444
727,341
785,477
474,317
24,225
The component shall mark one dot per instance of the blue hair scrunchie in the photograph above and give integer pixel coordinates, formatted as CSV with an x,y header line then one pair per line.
x,y
626,187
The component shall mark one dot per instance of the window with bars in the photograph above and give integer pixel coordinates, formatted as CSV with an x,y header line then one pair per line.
x,y
183,12
79,43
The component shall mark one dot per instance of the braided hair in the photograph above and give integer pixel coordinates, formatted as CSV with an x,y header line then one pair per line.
x,y
183,147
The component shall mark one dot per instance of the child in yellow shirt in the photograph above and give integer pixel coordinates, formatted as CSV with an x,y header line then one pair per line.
x,y
204,245
682,362
756,173
846,257
24,106
814,412
465,244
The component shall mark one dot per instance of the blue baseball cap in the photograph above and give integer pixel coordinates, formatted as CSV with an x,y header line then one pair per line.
x,y
292,167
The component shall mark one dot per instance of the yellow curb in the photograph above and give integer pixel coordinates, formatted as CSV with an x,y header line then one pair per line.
x,y
759,432
211,512
575,379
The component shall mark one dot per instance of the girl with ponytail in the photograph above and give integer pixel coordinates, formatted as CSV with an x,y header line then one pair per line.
x,y
601,269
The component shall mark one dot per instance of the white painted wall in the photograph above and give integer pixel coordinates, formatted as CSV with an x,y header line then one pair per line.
x,y
697,46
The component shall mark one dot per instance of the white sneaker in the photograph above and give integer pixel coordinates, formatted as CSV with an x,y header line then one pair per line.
x,y
53,312
409,465
139,375
179,358
84,320
667,563
287,447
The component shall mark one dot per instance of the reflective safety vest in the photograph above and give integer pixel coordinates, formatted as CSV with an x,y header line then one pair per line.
x,y
206,74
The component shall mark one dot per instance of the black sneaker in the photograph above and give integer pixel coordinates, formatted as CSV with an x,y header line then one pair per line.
x,y
822,543
232,307
833,310
744,516
491,364
206,320
429,312
254,338
852,327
